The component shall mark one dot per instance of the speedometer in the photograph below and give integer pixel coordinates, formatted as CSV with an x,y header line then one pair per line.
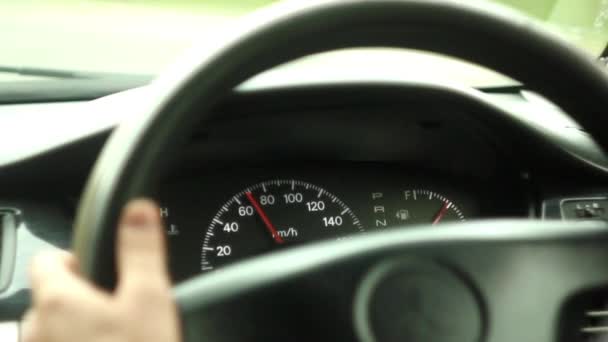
x,y
271,215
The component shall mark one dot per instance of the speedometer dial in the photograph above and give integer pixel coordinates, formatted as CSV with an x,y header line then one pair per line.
x,y
273,214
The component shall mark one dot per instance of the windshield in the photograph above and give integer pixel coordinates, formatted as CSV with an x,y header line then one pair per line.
x,y
144,36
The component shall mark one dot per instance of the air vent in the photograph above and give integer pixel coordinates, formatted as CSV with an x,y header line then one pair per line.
x,y
596,329
9,219
584,317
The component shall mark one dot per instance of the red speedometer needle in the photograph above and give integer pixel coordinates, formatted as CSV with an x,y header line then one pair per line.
x,y
441,213
258,208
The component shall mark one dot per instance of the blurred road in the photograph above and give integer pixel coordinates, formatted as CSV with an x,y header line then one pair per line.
x,y
133,36
97,35
144,36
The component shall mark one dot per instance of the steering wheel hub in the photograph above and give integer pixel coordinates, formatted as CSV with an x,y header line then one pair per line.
x,y
416,300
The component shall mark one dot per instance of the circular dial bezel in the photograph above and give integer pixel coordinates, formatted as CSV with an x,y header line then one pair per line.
x,y
438,214
319,226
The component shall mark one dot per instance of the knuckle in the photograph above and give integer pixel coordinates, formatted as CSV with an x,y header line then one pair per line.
x,y
154,291
30,332
110,321
151,294
152,281
52,302
31,337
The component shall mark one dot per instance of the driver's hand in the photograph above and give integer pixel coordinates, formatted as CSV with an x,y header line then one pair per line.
x,y
68,308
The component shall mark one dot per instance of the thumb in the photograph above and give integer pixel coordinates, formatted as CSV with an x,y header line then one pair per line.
x,y
141,250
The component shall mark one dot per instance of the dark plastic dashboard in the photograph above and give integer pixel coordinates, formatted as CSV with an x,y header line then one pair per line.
x,y
375,192
353,140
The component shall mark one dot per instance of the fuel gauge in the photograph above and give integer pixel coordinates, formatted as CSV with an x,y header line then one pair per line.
x,y
425,206
414,206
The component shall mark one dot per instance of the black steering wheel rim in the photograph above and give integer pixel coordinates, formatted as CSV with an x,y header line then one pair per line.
x,y
507,43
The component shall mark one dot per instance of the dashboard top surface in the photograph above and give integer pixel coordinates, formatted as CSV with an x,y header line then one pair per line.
x,y
385,147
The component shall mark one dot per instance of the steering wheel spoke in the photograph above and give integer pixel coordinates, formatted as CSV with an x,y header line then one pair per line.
x,y
498,280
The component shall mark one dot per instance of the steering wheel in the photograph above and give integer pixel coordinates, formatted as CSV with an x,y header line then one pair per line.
x,y
491,281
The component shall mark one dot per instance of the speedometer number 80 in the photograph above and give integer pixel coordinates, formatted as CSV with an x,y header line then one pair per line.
x,y
267,200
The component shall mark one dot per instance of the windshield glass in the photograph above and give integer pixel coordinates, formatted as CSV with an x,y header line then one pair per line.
x,y
144,36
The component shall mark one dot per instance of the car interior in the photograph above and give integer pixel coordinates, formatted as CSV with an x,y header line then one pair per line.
x,y
345,203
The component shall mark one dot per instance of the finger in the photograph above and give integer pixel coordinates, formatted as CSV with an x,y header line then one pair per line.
x,y
55,281
141,251
52,266
28,331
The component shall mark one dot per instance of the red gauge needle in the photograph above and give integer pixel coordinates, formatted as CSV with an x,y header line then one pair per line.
x,y
258,208
441,213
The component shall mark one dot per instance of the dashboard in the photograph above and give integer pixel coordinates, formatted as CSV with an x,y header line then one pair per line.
x,y
234,213
322,162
